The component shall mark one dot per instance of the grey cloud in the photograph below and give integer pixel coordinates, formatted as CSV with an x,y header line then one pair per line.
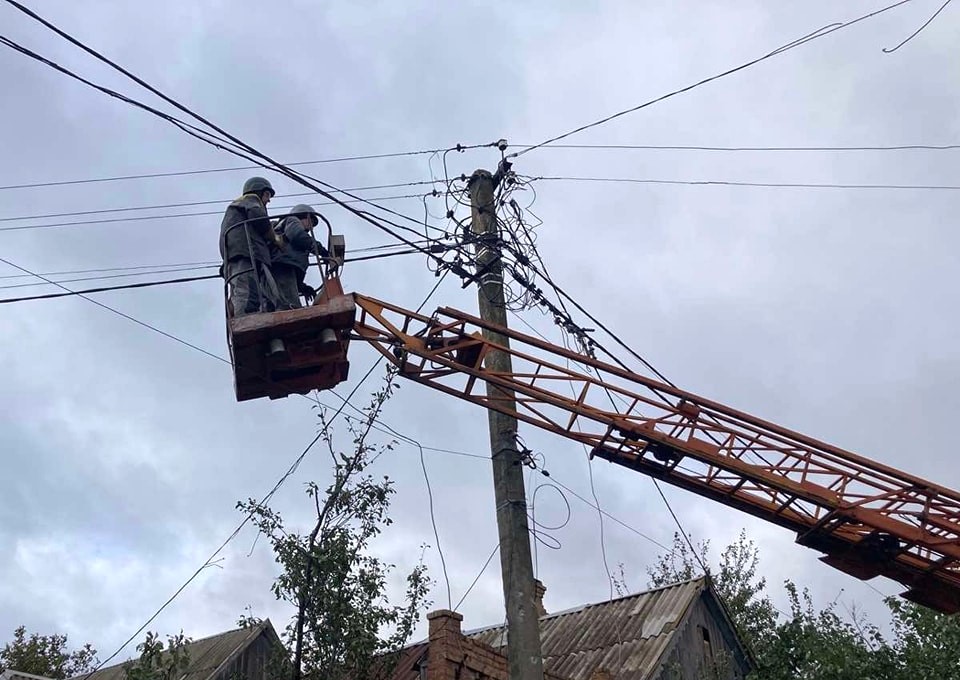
x,y
124,451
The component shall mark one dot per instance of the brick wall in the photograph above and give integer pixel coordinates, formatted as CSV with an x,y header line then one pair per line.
x,y
452,656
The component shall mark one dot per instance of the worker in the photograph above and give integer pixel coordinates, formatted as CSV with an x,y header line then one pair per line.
x,y
246,236
290,262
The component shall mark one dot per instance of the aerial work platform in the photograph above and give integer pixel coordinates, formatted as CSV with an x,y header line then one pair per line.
x,y
295,351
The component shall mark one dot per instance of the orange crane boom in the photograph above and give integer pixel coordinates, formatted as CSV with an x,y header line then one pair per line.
x,y
867,518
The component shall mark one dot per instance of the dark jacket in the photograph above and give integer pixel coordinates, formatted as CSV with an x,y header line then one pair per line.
x,y
300,245
233,242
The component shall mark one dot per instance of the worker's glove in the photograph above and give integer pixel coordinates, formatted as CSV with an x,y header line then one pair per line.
x,y
308,292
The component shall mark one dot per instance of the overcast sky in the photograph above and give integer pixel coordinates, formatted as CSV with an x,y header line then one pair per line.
x,y
829,311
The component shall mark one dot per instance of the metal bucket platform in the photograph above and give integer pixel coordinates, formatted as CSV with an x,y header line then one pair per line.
x,y
313,353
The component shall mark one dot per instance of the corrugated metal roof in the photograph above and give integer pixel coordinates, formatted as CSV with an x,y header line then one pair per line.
x,y
206,654
629,634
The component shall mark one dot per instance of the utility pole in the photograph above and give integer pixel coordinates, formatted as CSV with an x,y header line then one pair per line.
x,y
523,627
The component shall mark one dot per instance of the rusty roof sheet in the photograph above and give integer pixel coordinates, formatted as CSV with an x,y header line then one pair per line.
x,y
408,663
630,633
206,654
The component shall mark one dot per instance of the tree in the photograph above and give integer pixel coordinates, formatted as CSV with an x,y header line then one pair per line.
x,y
927,643
822,644
157,662
736,582
46,655
344,626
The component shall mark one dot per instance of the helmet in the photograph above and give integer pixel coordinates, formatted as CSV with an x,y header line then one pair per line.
x,y
255,185
304,209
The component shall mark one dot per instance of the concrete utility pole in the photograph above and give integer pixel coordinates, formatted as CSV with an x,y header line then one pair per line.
x,y
523,626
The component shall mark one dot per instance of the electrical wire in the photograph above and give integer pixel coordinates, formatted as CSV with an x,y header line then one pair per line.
x,y
764,185
433,522
474,583
225,201
147,218
609,516
111,309
115,269
106,277
103,289
224,141
819,33
686,537
647,147
397,249
185,173
688,147
917,32
147,284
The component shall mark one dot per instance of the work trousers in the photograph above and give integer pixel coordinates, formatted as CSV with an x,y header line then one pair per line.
x,y
288,280
252,289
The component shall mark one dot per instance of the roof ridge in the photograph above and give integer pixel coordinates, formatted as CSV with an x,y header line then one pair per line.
x,y
251,630
579,608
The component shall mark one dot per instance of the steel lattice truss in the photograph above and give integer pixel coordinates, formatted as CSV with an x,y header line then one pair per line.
x,y
869,519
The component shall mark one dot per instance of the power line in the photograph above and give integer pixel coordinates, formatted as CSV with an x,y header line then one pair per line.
x,y
767,185
677,147
147,218
225,201
612,147
913,35
103,289
185,173
474,582
148,284
114,269
111,309
226,141
100,270
819,33
111,276
173,270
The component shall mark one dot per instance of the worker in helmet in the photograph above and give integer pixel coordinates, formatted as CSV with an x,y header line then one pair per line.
x,y
246,237
290,261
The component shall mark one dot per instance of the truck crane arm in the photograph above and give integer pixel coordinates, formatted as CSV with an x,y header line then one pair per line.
x,y
867,519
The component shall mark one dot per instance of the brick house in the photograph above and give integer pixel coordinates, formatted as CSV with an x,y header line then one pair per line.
x,y
678,632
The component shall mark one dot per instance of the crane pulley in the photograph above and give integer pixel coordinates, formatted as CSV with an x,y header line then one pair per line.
x,y
867,519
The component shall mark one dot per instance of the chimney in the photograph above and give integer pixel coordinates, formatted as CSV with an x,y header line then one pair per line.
x,y
445,642
539,590
444,623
